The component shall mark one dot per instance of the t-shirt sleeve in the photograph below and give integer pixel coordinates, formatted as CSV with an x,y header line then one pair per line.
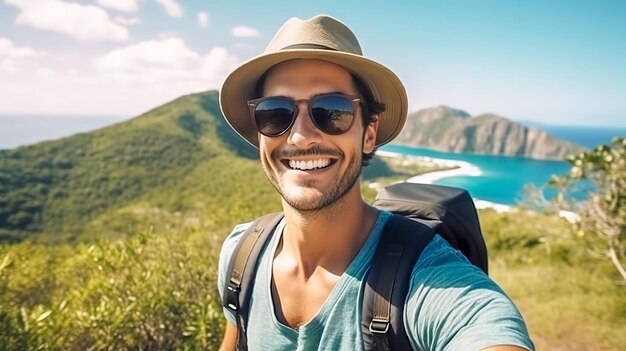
x,y
226,252
453,305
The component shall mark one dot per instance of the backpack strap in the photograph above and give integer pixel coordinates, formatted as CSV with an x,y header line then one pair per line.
x,y
242,270
398,250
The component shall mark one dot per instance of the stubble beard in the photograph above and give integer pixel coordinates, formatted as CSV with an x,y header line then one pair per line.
x,y
323,199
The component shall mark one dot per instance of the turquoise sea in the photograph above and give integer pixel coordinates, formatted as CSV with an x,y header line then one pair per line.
x,y
502,179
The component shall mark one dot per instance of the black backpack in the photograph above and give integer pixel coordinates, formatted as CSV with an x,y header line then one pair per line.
x,y
419,212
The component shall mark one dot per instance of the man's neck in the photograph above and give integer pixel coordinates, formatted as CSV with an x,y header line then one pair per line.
x,y
330,237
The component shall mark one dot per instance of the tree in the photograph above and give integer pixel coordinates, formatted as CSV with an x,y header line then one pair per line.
x,y
603,212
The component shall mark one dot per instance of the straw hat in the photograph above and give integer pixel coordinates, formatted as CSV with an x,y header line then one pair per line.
x,y
320,37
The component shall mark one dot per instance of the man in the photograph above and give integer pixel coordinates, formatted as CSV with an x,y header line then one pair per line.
x,y
313,105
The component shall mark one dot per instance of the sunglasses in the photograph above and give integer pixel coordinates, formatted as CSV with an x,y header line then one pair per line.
x,y
331,113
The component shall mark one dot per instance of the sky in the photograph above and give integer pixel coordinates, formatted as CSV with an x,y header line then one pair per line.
x,y
549,61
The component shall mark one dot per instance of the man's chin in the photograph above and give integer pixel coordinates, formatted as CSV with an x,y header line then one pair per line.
x,y
305,199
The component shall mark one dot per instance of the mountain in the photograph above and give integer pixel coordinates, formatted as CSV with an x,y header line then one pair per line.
x,y
447,129
181,157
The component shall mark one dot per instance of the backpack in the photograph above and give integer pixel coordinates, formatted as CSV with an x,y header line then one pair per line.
x,y
419,212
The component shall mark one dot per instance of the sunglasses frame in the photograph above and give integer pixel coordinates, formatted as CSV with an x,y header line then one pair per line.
x,y
354,100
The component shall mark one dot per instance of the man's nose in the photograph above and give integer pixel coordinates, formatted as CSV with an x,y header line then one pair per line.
x,y
304,133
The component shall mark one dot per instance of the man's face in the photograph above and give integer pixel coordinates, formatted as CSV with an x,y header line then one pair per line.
x,y
309,168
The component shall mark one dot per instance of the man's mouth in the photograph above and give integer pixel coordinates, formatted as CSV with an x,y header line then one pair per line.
x,y
307,165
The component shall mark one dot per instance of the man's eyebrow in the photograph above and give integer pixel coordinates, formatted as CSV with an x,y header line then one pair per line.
x,y
329,93
310,97
280,96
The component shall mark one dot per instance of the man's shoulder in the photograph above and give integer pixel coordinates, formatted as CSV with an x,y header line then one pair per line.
x,y
440,266
453,304
228,247
237,232
229,244
440,254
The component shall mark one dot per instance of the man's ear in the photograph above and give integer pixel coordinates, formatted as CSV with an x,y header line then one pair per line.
x,y
369,136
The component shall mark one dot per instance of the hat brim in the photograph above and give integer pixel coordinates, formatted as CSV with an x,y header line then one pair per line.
x,y
239,87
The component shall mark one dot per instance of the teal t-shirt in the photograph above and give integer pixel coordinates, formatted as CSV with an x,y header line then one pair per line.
x,y
451,305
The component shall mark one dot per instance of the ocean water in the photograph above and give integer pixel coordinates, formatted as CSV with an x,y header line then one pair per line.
x,y
502,179
17,130
589,137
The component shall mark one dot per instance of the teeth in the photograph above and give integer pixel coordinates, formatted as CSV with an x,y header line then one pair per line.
x,y
310,164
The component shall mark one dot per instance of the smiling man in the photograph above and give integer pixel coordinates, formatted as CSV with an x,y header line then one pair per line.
x,y
317,110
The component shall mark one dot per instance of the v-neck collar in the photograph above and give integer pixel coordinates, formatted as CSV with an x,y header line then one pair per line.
x,y
356,269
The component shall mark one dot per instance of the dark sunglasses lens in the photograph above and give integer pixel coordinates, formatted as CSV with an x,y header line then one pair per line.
x,y
332,114
273,116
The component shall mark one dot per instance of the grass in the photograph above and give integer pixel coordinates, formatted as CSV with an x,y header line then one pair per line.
x,y
570,299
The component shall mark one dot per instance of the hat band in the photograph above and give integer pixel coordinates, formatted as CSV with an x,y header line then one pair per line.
x,y
307,46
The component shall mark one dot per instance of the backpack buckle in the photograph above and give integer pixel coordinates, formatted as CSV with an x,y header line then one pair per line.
x,y
379,326
232,297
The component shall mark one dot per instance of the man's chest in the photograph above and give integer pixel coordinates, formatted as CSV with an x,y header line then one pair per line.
x,y
298,300
313,320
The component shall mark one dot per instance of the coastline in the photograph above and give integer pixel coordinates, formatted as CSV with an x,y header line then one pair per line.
x,y
463,169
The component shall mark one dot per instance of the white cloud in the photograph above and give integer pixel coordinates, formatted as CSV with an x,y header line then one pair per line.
x,y
127,21
245,32
9,50
14,59
153,58
168,61
216,65
120,5
171,7
203,19
81,22
126,81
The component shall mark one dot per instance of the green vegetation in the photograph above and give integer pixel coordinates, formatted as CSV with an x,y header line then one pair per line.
x,y
156,289
383,171
111,241
604,212
59,188
149,292
570,299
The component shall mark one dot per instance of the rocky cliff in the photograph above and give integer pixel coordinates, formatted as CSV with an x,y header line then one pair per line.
x,y
447,129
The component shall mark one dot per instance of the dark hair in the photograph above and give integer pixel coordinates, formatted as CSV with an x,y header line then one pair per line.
x,y
371,111
371,108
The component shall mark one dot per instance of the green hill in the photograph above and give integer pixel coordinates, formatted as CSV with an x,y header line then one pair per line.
x,y
178,157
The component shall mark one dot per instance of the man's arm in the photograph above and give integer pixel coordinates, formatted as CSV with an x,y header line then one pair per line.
x,y
229,343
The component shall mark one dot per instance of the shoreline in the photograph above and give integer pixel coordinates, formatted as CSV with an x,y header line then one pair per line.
x,y
463,169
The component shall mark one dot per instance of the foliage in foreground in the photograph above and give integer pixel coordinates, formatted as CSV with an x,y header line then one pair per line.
x,y
157,291
604,212
147,292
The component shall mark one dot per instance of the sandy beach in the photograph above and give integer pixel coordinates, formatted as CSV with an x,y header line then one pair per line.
x,y
463,169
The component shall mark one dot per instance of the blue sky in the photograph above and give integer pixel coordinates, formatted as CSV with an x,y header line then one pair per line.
x,y
558,62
